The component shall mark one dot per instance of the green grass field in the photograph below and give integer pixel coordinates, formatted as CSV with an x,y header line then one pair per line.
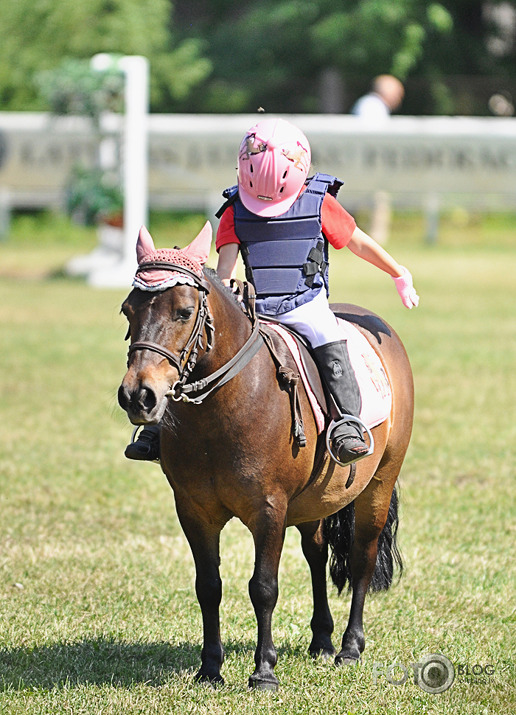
x,y
97,606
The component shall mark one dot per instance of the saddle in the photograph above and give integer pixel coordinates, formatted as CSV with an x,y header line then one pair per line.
x,y
295,364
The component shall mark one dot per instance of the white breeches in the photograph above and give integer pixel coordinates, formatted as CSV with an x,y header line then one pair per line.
x,y
314,321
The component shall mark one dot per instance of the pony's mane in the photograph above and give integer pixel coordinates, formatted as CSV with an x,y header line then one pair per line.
x,y
214,278
213,275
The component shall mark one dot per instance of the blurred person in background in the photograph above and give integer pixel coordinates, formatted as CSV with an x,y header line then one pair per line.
x,y
374,109
385,97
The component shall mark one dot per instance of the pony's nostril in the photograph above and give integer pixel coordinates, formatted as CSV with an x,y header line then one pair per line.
x,y
146,399
123,399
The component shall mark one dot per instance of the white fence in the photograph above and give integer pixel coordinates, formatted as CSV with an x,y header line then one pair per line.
x,y
447,161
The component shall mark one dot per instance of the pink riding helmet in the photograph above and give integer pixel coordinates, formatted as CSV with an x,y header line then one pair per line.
x,y
273,163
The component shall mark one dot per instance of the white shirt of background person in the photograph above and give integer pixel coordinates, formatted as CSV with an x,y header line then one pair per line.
x,y
386,95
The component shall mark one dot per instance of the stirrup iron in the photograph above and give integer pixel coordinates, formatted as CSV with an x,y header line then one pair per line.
x,y
335,423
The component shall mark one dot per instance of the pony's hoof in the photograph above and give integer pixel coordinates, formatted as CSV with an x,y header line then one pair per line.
x,y
342,659
212,680
323,654
262,684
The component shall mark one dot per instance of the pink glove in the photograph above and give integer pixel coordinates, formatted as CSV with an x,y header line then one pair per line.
x,y
406,290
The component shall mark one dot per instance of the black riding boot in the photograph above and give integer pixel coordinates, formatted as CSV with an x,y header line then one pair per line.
x,y
146,447
339,378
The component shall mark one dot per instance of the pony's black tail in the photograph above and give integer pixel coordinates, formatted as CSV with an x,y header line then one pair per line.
x,y
339,531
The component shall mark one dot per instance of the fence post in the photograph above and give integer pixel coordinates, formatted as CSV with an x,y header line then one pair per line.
x,y
135,172
5,213
432,215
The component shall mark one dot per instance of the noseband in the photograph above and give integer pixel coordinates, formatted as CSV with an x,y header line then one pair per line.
x,y
186,361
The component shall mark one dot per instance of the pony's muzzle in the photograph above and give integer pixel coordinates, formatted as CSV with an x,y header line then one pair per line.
x,y
141,403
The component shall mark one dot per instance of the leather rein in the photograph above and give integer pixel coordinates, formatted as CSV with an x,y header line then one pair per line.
x,y
196,392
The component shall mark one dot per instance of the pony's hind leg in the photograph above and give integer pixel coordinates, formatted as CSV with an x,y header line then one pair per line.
x,y
371,559
315,550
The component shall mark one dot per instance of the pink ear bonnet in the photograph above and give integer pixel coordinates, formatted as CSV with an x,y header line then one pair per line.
x,y
193,257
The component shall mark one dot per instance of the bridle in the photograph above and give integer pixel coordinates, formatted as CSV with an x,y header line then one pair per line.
x,y
186,360
197,392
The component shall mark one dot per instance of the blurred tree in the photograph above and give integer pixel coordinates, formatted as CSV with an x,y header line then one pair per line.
x,y
285,55
275,53
75,87
37,35
460,70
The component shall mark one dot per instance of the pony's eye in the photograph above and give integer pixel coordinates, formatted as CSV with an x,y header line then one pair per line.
x,y
184,314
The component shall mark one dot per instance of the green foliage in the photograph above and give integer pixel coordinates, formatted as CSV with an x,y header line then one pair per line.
x,y
236,55
93,195
275,54
35,36
384,27
175,75
439,17
75,88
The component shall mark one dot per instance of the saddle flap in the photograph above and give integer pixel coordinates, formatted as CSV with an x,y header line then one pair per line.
x,y
291,349
372,380
312,373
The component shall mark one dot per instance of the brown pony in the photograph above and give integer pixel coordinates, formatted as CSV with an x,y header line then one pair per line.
x,y
199,368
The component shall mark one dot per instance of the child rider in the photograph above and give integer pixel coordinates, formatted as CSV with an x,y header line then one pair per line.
x,y
281,222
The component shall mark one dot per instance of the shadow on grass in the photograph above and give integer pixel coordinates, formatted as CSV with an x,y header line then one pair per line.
x,y
94,662
102,661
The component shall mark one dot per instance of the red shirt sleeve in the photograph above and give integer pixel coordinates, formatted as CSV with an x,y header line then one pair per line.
x,y
337,224
226,230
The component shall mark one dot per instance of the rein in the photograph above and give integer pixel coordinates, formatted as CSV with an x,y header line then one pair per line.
x,y
224,374
197,392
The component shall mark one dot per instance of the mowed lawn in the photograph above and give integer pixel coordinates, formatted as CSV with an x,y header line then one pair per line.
x,y
98,612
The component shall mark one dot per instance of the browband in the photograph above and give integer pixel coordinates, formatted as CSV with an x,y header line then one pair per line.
x,y
174,268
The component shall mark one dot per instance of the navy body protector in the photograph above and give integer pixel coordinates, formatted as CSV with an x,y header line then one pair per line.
x,y
286,256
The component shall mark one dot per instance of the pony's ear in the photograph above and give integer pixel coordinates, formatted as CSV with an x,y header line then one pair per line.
x,y
144,244
199,249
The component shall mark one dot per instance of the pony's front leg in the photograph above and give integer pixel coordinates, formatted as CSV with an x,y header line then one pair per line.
x,y
268,534
204,540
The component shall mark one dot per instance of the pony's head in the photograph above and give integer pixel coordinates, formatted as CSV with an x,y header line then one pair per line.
x,y
163,313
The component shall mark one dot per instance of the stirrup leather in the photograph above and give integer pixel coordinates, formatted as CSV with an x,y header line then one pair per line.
x,y
335,423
